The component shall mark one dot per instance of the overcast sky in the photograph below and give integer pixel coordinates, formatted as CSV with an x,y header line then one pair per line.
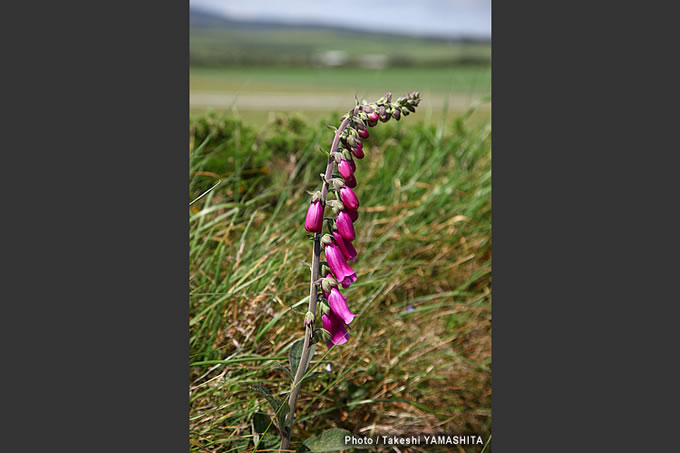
x,y
436,17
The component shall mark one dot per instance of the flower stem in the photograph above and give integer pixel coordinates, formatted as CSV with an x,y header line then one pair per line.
x,y
316,259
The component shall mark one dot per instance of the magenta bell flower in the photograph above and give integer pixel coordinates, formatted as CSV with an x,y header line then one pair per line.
x,y
344,223
346,247
336,327
349,198
353,214
339,267
339,306
314,219
345,169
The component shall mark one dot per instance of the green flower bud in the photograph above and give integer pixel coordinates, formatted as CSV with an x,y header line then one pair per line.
x,y
324,335
326,239
346,154
309,318
327,284
338,184
316,196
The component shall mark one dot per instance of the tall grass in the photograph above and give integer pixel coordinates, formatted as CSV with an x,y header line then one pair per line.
x,y
419,355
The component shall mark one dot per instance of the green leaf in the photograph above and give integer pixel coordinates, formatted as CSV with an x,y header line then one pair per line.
x,y
280,407
261,422
286,370
331,440
295,355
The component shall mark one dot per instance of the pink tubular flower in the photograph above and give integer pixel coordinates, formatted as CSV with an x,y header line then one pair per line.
x,y
346,247
314,219
345,169
351,182
338,305
344,223
349,198
339,267
336,327
373,117
353,214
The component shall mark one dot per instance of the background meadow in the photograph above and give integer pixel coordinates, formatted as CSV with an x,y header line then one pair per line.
x,y
419,355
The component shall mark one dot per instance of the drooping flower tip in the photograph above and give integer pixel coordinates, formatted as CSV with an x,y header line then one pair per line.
x,y
363,133
345,226
353,214
373,116
339,307
314,219
339,267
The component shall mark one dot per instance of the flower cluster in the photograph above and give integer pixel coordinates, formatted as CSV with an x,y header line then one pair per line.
x,y
337,244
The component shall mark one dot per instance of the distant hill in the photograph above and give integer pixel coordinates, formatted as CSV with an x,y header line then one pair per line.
x,y
201,19
219,40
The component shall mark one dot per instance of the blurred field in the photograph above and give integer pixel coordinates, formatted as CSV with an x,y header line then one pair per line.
x,y
219,41
253,92
424,241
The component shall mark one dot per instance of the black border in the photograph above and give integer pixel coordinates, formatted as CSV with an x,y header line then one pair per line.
x,y
97,226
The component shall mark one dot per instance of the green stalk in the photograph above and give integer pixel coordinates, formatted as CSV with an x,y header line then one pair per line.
x,y
316,260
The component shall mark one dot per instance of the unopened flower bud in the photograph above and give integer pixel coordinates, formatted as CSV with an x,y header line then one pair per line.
x,y
383,114
348,197
359,124
404,111
345,169
372,117
326,239
367,109
338,184
363,133
345,226
336,204
325,270
328,283
314,218
346,155
358,150
351,181
396,113
309,318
